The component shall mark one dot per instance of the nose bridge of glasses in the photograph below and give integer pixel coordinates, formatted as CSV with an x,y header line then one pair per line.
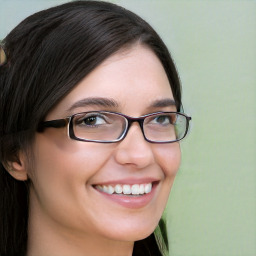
x,y
132,120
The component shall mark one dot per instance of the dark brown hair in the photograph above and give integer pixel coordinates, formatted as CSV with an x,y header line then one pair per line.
x,y
47,55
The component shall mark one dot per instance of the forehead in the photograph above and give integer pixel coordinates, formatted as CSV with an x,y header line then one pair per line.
x,y
133,78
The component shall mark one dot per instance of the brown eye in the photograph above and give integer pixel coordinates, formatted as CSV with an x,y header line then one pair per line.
x,y
162,120
91,120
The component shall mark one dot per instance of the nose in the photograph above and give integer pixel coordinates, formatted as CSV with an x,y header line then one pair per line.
x,y
134,149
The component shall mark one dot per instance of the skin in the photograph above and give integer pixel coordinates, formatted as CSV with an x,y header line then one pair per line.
x,y
67,215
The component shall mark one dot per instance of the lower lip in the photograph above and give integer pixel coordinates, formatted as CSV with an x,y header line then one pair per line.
x,y
129,201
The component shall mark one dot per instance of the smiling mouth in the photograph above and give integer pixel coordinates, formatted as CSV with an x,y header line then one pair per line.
x,y
126,189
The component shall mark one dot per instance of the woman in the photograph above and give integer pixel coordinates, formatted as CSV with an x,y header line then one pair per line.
x,y
90,123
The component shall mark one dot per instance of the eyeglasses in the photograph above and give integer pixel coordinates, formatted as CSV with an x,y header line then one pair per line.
x,y
107,127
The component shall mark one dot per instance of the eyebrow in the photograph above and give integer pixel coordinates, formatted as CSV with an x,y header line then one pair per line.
x,y
167,102
103,102
111,103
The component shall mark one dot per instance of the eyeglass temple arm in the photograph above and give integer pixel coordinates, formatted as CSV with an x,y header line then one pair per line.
x,y
53,123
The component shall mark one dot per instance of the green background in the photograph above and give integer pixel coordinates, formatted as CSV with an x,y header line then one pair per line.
x,y
212,207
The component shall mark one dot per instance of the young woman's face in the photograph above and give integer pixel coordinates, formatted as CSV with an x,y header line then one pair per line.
x,y
66,195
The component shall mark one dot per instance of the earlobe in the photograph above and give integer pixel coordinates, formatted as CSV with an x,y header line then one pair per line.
x,y
17,169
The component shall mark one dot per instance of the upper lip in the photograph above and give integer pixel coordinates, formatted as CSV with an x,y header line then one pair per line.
x,y
129,181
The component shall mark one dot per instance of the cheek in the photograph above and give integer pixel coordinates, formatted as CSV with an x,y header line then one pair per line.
x,y
63,168
57,154
168,157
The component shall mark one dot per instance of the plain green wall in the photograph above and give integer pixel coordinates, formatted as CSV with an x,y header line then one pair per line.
x,y
212,207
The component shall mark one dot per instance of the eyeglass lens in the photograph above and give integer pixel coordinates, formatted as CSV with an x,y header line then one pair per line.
x,y
105,126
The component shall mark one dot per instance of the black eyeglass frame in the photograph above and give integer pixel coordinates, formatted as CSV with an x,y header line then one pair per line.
x,y
68,121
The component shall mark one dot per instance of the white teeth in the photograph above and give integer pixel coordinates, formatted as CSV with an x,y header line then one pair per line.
x,y
148,188
136,189
111,190
105,189
127,189
118,189
141,189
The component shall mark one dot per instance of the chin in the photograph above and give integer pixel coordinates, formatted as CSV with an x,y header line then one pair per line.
x,y
132,232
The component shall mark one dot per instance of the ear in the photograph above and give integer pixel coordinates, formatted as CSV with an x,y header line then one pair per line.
x,y
17,168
